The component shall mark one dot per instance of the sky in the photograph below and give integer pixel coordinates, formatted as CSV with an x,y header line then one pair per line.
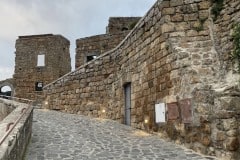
x,y
71,18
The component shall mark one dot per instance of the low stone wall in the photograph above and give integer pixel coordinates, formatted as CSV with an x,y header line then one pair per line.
x,y
14,146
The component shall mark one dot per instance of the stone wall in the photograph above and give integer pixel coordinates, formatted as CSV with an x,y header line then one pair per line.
x,y
14,146
28,73
117,30
119,24
226,117
173,55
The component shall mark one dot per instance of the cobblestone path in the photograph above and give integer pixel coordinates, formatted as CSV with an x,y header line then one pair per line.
x,y
61,136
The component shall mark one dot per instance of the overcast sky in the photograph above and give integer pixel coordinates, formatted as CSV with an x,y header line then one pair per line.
x,y
71,18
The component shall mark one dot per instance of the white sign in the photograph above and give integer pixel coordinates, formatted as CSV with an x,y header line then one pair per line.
x,y
41,60
160,111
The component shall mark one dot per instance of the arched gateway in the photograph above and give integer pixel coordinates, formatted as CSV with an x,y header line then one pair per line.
x,y
9,85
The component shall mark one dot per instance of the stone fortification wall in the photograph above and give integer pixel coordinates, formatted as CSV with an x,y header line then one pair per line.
x,y
172,56
55,62
15,144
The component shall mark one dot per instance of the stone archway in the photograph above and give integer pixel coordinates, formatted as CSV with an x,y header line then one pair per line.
x,y
9,83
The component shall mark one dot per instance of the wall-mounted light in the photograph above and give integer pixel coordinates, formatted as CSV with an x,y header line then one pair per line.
x,y
103,110
46,102
146,119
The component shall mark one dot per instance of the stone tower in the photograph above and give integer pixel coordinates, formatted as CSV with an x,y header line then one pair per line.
x,y
89,48
40,59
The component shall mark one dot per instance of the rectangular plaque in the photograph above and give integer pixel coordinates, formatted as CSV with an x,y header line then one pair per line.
x,y
186,110
160,112
173,113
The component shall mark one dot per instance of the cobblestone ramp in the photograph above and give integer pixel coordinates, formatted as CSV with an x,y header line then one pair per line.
x,y
61,136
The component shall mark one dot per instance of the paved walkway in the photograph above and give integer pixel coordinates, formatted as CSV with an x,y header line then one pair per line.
x,y
61,136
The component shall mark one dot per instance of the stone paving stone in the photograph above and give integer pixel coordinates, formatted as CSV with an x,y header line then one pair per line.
x,y
61,136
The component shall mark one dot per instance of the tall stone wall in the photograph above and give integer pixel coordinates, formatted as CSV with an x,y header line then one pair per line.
x,y
226,128
174,56
28,72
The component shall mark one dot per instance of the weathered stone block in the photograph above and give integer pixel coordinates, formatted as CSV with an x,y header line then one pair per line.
x,y
174,3
168,11
177,18
230,124
191,17
204,5
168,27
204,14
220,136
232,133
232,144
206,140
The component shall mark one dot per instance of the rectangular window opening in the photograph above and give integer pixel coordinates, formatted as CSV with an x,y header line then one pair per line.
x,y
41,60
38,86
89,58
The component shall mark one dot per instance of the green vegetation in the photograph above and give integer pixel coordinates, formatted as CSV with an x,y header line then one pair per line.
x,y
216,8
236,43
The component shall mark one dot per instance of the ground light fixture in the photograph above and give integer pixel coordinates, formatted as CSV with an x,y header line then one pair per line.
x,y
146,119
103,110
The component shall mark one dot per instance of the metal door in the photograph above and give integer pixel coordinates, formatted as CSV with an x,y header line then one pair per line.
x,y
160,113
127,91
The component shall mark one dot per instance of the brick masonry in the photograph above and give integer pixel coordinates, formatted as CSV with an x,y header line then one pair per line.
x,y
175,54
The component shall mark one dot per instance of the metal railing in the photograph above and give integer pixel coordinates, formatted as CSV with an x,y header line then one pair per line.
x,y
11,125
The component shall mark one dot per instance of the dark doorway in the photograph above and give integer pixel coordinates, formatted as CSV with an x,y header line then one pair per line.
x,y
127,92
